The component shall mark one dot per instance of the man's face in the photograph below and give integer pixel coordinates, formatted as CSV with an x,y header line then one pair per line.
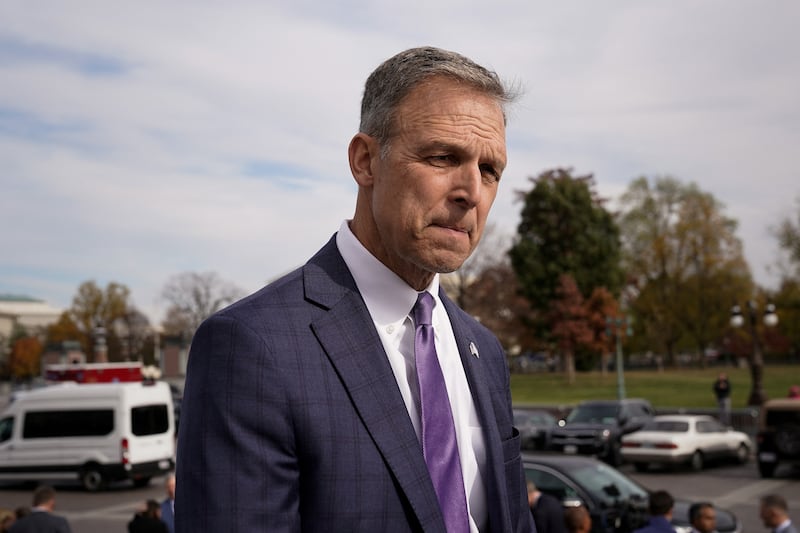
x,y
769,516
430,195
706,521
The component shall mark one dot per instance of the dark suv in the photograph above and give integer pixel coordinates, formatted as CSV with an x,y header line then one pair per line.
x,y
778,436
596,427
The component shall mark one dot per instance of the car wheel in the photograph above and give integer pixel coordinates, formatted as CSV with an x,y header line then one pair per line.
x,y
641,467
696,462
767,470
92,479
141,482
742,453
787,439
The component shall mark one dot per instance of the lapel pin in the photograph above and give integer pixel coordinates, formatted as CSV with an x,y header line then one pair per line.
x,y
473,350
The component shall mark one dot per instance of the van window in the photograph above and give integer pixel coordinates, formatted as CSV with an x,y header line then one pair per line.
x,y
6,428
149,420
71,423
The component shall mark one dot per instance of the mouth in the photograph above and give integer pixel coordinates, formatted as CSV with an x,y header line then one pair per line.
x,y
453,227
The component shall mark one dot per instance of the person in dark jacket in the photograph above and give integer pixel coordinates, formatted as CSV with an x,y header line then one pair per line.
x,y
547,511
722,390
41,517
148,520
661,504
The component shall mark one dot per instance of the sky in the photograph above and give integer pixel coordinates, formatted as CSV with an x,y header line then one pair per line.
x,y
140,140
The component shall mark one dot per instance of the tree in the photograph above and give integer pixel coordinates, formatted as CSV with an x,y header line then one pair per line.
x,y
564,229
491,252
126,329
493,297
192,297
26,352
600,307
94,307
788,236
570,324
683,260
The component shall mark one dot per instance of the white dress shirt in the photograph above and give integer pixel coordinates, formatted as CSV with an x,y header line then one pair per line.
x,y
389,301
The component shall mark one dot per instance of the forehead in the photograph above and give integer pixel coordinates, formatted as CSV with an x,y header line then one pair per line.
x,y
443,105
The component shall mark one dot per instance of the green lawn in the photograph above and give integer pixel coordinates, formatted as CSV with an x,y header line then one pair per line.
x,y
670,388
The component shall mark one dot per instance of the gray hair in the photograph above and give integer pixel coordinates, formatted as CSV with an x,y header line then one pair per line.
x,y
396,77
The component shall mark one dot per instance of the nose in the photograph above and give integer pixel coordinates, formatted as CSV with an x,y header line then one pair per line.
x,y
468,186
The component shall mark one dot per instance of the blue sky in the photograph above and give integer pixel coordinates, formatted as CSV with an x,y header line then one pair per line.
x,y
140,140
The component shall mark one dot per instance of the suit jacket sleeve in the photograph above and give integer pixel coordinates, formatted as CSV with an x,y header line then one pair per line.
x,y
234,472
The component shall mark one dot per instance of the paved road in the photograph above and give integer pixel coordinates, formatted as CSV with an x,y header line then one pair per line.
x,y
734,487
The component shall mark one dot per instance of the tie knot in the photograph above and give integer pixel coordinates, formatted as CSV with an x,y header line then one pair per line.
x,y
423,309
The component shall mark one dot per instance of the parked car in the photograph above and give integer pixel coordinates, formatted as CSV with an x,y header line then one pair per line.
x,y
596,427
535,426
778,435
615,502
693,440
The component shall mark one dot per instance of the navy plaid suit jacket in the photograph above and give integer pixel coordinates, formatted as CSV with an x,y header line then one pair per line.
x,y
292,419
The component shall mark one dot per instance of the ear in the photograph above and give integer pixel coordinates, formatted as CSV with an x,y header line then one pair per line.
x,y
363,148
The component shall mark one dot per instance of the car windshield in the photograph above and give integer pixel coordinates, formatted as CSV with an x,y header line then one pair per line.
x,y
669,426
533,417
606,484
602,414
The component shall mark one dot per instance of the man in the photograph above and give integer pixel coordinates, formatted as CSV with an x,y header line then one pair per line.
x,y
168,505
577,519
148,520
775,514
661,503
547,511
722,390
702,517
352,394
41,517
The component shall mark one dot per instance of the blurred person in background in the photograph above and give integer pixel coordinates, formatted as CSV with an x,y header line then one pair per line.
x,y
168,505
661,504
702,517
577,519
775,514
41,518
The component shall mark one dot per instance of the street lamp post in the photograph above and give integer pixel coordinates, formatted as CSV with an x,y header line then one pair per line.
x,y
757,394
100,347
613,327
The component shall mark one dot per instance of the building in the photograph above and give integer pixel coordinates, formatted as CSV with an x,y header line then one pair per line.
x,y
25,312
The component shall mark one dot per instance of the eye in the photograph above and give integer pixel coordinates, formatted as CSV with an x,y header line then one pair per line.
x,y
490,173
442,160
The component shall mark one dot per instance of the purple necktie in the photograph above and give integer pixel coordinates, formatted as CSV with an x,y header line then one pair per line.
x,y
439,446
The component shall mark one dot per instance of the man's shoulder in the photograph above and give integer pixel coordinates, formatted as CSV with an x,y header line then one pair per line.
x,y
548,501
36,519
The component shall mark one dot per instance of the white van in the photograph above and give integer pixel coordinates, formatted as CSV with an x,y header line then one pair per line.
x,y
97,433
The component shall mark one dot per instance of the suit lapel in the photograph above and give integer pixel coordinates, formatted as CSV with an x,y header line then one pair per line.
x,y
348,337
474,367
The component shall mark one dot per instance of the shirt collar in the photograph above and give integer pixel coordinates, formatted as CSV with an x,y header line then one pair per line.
x,y
388,298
